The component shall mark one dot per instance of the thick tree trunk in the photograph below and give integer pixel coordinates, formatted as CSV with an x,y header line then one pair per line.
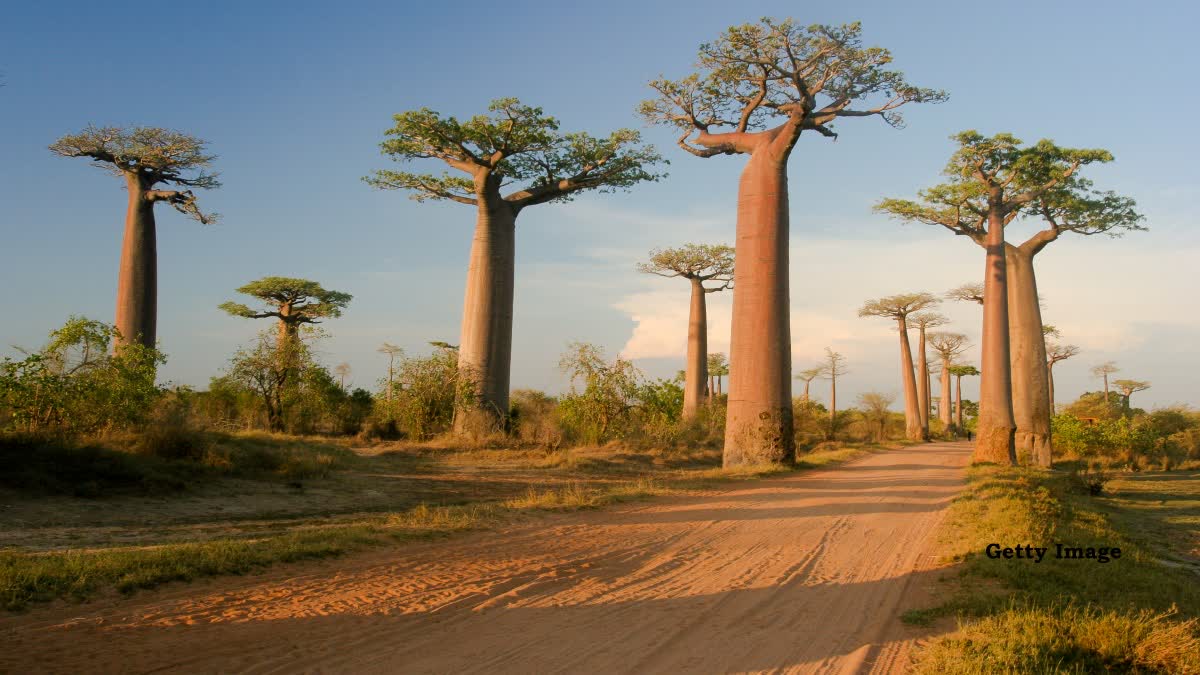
x,y
996,428
758,425
1030,386
697,353
958,424
485,347
137,282
944,413
912,408
923,383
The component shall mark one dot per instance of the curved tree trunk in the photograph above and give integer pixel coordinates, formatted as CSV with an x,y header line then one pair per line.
x,y
697,353
1030,386
995,427
912,408
485,347
758,426
137,282
944,406
923,384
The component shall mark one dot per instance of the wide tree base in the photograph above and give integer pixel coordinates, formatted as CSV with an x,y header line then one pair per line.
x,y
1038,446
476,423
994,445
769,439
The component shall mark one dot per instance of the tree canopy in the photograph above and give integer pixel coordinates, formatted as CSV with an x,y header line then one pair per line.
x,y
515,145
996,175
1130,387
970,292
1056,352
292,301
898,306
808,76
704,262
152,154
948,345
963,370
927,319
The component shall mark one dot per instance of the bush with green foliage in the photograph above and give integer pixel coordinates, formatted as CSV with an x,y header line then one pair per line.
x,y
423,395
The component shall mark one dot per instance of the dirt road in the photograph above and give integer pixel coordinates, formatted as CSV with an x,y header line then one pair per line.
x,y
799,574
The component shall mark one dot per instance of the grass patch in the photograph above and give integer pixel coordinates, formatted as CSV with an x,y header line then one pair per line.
x,y
27,578
1134,614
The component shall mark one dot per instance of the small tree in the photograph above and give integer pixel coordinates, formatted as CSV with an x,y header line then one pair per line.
x,y
948,346
1102,371
718,367
763,85
991,180
899,307
875,409
807,376
272,371
831,369
1128,388
1056,352
392,352
144,157
342,370
602,408
518,144
698,263
293,302
959,371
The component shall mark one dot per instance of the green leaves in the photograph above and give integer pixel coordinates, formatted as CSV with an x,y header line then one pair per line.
x,y
291,300
692,261
158,155
515,143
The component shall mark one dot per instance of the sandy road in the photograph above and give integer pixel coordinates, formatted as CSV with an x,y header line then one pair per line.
x,y
799,574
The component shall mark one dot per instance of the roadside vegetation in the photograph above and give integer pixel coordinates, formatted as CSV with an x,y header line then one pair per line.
x,y
1138,613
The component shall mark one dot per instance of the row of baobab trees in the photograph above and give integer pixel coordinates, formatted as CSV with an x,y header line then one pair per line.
x,y
757,88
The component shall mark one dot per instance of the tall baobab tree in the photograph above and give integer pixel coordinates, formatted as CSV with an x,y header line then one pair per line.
x,y
145,158
1056,352
991,180
797,79
832,368
1103,370
698,263
292,302
924,321
392,351
807,376
515,143
718,367
899,308
1129,388
343,371
948,346
959,371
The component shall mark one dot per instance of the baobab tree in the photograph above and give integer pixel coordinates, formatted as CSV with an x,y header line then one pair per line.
x,y
292,302
807,376
832,368
1103,370
392,351
1129,388
515,143
343,371
924,321
992,179
698,263
1056,352
948,346
718,367
145,158
797,79
959,371
899,308
970,292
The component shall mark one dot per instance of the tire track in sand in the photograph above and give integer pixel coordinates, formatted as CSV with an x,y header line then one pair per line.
x,y
804,573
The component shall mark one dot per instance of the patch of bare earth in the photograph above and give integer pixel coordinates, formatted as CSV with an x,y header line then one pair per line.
x,y
805,573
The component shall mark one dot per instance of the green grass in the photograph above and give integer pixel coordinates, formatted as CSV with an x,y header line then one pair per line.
x,y
1134,614
27,578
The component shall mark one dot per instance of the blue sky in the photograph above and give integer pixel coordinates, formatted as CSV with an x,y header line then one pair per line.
x,y
294,98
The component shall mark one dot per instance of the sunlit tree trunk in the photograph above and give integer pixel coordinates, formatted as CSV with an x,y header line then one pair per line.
x,y
944,412
1050,385
912,408
137,282
758,425
1030,380
958,423
485,348
923,384
697,353
994,442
